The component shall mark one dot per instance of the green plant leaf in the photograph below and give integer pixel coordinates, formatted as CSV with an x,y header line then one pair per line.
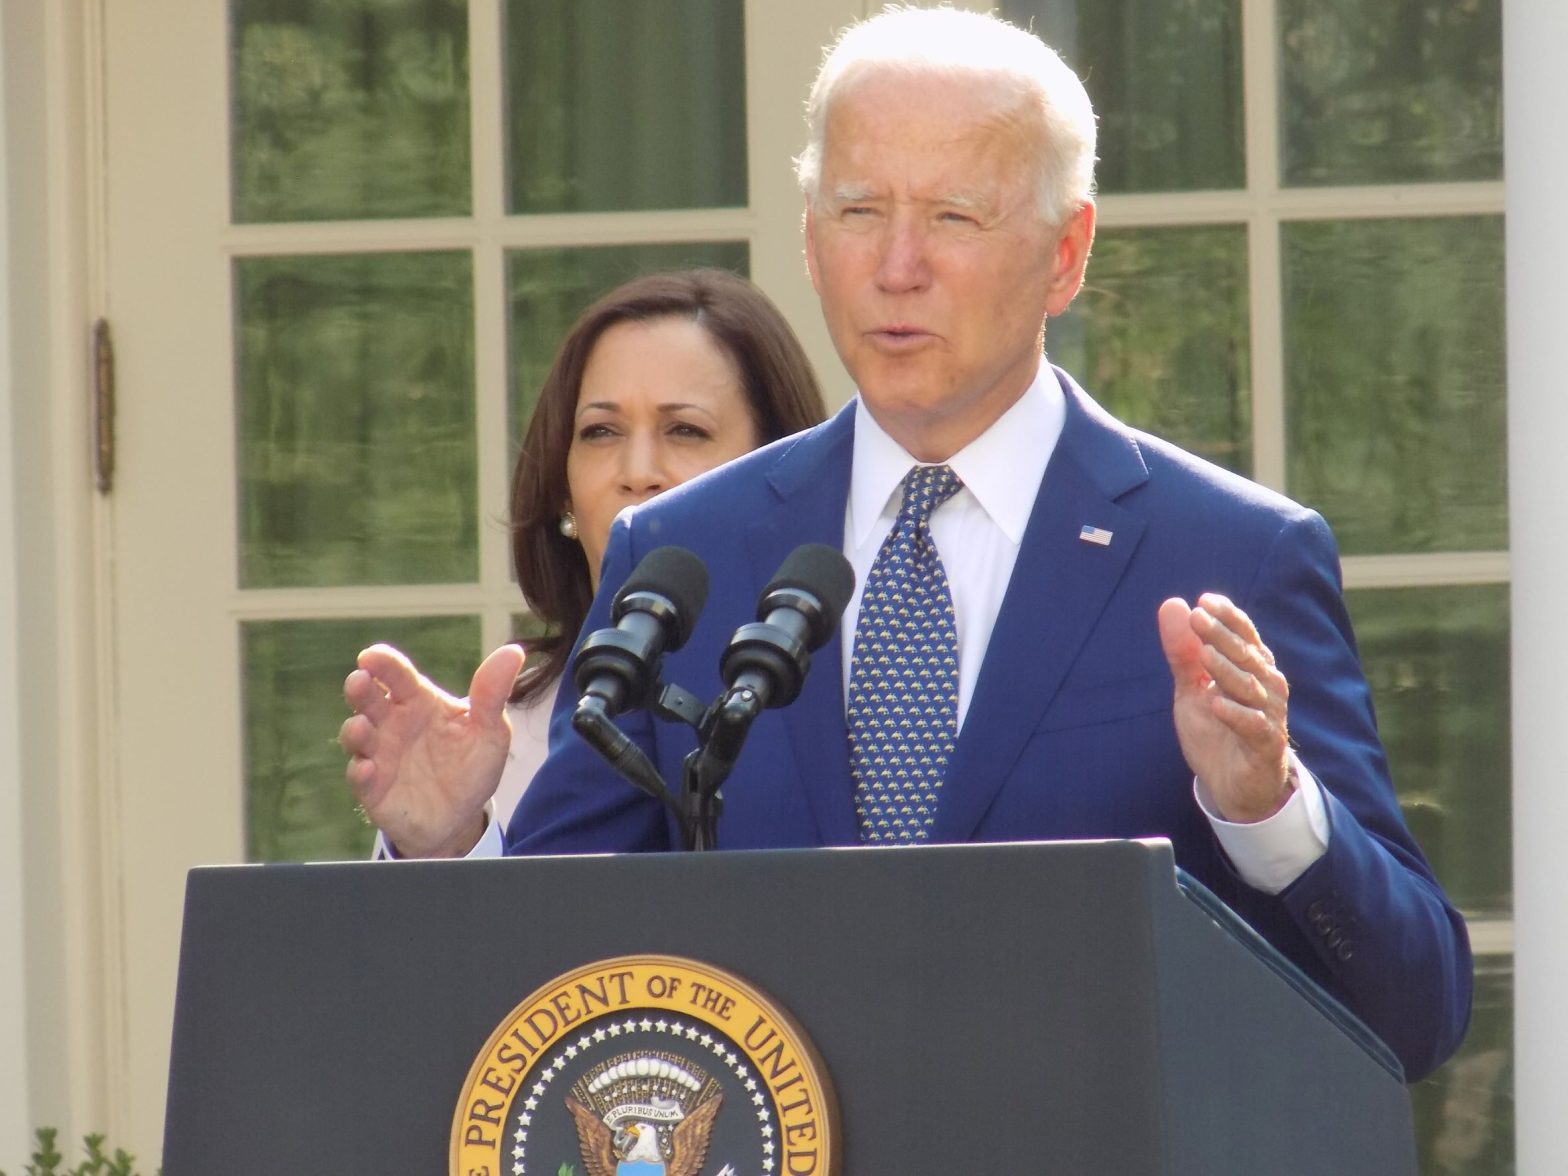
x,y
47,1158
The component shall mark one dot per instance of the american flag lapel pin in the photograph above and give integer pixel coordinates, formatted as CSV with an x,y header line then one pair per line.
x,y
1096,535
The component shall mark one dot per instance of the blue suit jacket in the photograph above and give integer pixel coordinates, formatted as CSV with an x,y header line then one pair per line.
x,y
1069,731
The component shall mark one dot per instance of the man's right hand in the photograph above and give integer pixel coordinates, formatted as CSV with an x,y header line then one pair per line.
x,y
422,763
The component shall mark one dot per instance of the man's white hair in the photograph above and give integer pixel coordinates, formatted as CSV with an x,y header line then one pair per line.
x,y
974,46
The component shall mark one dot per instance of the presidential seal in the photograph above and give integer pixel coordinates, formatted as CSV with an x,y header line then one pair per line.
x,y
646,1066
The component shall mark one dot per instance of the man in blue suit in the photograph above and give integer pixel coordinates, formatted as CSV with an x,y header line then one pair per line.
x,y
949,214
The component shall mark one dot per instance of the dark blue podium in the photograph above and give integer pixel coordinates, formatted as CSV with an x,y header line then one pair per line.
x,y
1065,1007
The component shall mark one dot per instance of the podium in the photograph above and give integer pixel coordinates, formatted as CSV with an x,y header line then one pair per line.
x,y
1063,1007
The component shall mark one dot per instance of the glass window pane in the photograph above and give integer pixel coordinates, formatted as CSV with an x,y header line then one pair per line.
x,y
1159,336
1464,1113
1166,82
356,420
297,803
616,106
352,110
1394,377
548,288
1390,92
1437,662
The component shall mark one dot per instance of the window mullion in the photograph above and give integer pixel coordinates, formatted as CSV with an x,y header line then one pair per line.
x,y
1491,936
492,369
1426,569
1260,71
1266,318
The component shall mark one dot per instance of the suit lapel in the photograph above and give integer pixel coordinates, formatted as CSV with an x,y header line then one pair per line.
x,y
811,481
1059,587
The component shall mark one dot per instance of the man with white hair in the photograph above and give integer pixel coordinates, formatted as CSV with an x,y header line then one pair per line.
x,y
1023,636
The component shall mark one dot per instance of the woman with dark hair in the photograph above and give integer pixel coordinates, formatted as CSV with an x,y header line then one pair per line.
x,y
558,565
663,378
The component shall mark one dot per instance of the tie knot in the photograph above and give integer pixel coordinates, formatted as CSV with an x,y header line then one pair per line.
x,y
925,489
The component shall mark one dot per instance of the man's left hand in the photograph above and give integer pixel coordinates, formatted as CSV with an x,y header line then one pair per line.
x,y
1229,707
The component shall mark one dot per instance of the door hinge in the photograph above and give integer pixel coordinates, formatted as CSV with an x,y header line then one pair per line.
x,y
103,406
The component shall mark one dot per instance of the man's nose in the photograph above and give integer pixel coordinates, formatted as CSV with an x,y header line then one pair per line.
x,y
904,264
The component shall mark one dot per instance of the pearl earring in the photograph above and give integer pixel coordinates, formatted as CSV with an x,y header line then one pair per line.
x,y
569,524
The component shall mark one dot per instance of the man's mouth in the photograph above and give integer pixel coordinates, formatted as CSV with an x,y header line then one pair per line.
x,y
899,336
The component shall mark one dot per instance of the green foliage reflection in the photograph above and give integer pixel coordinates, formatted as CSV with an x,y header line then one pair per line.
x,y
349,109
1391,91
615,106
1464,1113
357,452
1394,381
1437,662
1159,336
297,804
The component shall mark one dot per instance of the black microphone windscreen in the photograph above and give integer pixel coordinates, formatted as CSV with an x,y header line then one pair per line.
x,y
820,570
675,573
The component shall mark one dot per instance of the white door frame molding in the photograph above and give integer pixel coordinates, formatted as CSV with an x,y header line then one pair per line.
x,y
15,1105
58,837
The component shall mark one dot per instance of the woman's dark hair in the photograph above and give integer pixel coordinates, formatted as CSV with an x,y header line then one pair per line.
x,y
781,391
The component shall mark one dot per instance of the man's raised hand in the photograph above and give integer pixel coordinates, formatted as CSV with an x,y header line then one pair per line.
x,y
1230,706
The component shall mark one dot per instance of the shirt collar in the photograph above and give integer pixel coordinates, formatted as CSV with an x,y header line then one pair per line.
x,y
1002,468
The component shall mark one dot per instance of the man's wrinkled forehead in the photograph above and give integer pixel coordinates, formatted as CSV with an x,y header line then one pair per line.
x,y
965,148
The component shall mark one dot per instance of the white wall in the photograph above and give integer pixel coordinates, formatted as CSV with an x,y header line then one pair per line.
x,y
1536,94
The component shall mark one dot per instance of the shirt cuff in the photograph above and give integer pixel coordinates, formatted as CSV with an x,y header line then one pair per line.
x,y
1272,853
491,844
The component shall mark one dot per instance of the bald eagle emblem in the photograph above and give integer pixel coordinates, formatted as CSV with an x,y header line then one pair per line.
x,y
644,1114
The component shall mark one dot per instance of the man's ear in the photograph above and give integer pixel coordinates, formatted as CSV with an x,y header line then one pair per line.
x,y
811,247
1070,257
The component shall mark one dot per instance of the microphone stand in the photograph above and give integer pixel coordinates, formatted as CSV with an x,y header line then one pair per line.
x,y
719,737
721,730
591,720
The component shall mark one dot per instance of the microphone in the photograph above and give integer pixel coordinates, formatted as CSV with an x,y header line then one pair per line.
x,y
796,616
654,611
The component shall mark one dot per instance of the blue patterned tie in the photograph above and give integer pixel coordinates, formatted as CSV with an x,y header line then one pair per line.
x,y
903,680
